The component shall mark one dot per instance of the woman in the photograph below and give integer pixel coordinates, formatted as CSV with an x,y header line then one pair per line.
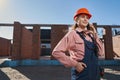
x,y
83,45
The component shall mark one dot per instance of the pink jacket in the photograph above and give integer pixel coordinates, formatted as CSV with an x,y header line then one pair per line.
x,y
74,45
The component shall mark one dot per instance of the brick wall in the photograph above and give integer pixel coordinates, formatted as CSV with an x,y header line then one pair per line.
x,y
36,41
57,33
5,47
108,43
26,44
16,47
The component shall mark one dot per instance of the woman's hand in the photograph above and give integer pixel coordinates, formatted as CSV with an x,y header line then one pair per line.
x,y
93,28
80,66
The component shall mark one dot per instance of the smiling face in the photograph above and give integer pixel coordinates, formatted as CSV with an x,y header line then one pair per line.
x,y
82,20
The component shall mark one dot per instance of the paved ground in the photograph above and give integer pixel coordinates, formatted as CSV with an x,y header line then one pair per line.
x,y
111,73
49,73
35,73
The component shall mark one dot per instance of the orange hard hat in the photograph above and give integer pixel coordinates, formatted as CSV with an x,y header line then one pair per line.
x,y
82,11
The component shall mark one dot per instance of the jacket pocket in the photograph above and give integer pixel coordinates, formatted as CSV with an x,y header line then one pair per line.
x,y
79,45
78,42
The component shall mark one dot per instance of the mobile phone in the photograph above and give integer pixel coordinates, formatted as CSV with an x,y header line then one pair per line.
x,y
88,26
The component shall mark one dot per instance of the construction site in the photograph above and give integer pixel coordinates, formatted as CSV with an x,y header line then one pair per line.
x,y
27,56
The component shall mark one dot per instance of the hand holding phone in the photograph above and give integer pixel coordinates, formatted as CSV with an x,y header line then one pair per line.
x,y
91,28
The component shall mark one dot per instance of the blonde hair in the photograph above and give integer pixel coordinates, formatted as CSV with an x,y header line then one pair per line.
x,y
74,26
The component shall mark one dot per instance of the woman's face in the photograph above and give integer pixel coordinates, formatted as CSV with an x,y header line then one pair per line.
x,y
82,20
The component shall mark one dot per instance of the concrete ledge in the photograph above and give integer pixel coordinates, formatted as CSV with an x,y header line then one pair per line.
x,y
109,62
14,63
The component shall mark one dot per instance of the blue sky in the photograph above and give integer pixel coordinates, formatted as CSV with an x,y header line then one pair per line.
x,y
105,12
58,11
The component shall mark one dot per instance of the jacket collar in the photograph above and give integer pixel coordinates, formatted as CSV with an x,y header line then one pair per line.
x,y
84,31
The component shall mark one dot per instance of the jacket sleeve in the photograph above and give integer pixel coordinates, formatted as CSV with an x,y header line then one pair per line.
x,y
59,52
99,44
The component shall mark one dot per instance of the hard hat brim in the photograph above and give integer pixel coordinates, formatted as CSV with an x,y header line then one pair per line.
x,y
89,15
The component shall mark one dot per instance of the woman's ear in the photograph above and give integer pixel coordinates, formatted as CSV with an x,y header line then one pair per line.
x,y
76,19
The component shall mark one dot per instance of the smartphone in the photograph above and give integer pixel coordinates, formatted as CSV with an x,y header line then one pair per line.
x,y
88,26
